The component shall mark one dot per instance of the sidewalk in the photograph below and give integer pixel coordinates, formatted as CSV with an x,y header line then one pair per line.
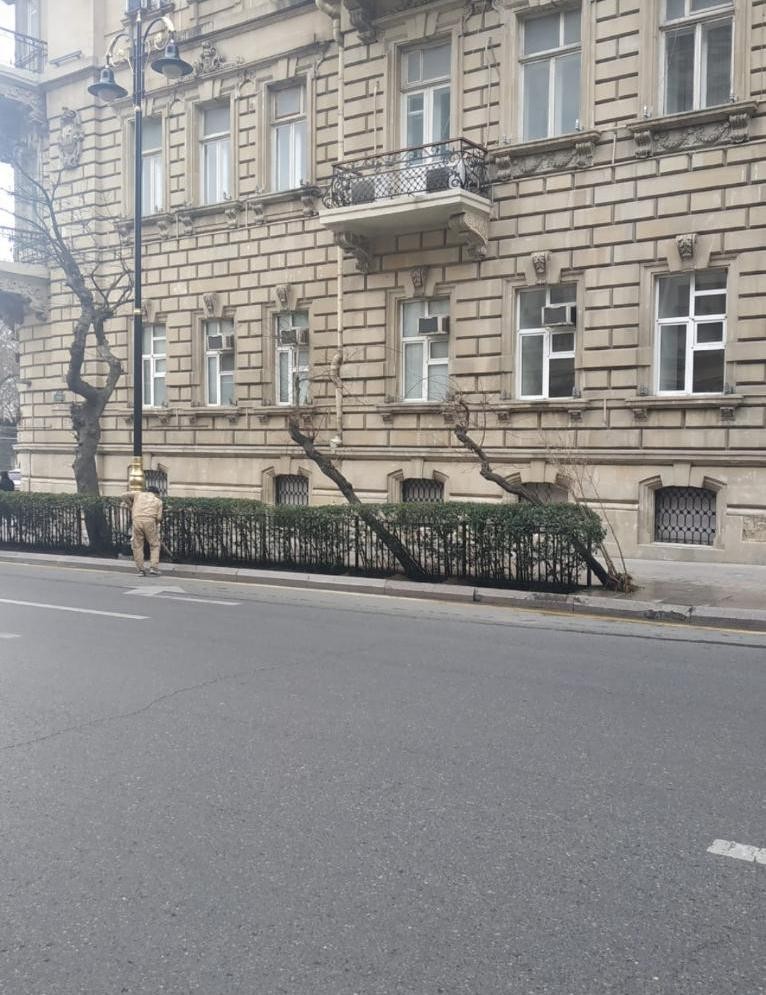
x,y
722,595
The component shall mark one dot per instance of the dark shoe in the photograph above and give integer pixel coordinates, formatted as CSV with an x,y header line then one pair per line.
x,y
155,572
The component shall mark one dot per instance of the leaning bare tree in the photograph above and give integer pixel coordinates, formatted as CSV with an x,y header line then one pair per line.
x,y
84,251
9,375
460,415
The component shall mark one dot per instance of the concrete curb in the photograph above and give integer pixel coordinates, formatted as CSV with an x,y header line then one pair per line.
x,y
616,606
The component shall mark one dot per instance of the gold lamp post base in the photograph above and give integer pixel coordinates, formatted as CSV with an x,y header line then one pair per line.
x,y
136,474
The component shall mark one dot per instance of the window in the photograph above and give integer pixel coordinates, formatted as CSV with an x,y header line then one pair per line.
x,y
215,150
426,95
422,490
155,359
292,489
547,317
685,515
157,478
152,185
550,74
691,332
289,137
697,59
219,362
292,350
425,350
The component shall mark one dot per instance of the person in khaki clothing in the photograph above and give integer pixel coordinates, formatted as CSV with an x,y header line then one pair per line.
x,y
146,509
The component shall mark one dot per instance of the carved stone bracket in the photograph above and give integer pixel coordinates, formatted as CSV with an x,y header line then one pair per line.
x,y
473,230
232,417
21,299
540,262
310,194
257,209
163,223
232,212
186,220
282,296
211,304
71,138
575,414
358,247
717,126
728,412
687,245
418,275
530,159
360,13
641,414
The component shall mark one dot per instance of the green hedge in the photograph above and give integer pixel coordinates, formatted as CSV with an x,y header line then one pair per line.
x,y
518,545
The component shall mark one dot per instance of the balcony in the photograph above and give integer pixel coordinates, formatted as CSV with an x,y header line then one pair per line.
x,y
23,276
444,185
22,61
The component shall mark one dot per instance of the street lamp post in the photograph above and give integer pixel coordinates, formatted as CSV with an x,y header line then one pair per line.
x,y
171,66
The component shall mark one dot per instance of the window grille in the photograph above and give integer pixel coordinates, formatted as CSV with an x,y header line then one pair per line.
x,y
421,490
684,515
158,479
292,489
545,493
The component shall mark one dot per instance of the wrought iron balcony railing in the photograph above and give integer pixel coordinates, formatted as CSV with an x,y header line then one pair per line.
x,y
20,246
424,169
22,51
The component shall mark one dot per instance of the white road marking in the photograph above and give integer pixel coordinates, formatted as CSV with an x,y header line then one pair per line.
x,y
176,594
78,611
9,635
740,851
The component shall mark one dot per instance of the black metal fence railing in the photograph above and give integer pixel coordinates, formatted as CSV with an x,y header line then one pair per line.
x,y
22,51
459,163
500,545
19,245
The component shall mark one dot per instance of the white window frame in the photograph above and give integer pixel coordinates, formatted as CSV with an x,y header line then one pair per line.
x,y
220,144
546,333
217,326
701,21
428,364
298,167
150,373
692,345
152,175
428,90
551,56
297,372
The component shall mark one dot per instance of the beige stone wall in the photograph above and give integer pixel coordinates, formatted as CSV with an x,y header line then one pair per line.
x,y
607,219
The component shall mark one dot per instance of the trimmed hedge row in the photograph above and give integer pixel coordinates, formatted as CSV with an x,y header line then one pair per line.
x,y
511,545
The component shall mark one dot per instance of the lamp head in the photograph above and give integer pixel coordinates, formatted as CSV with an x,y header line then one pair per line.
x,y
107,89
170,64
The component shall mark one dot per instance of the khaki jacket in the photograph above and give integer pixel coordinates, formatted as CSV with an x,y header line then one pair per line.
x,y
143,504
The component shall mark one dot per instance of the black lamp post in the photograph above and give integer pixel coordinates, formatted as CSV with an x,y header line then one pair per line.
x,y
171,66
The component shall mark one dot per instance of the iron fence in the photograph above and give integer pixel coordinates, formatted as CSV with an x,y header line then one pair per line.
x,y
459,163
21,51
499,545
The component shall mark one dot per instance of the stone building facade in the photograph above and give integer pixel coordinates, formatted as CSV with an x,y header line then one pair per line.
x,y
553,211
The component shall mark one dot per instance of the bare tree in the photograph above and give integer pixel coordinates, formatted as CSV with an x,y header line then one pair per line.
x,y
305,437
459,413
9,376
83,246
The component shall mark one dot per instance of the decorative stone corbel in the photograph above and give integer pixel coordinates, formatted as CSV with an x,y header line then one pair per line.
x,y
419,275
124,231
358,247
232,212
163,224
232,417
211,304
309,196
739,124
640,414
186,220
165,416
282,296
147,311
575,414
644,144
504,416
71,139
727,412
387,417
687,245
584,151
473,231
540,266
360,13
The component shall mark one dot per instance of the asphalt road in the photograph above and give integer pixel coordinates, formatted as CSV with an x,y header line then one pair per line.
x,y
324,794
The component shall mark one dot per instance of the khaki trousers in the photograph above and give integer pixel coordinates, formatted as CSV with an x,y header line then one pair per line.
x,y
146,529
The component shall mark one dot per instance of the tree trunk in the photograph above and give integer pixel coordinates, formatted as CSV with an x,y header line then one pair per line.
x,y
408,562
87,427
608,581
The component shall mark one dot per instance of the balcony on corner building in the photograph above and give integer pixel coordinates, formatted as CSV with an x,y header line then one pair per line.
x,y
24,276
22,62
441,185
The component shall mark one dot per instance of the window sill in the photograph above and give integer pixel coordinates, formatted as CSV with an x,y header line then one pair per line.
x,y
308,194
572,151
183,218
678,132
726,404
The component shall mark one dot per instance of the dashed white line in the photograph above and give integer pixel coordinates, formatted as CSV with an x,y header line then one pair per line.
x,y
740,851
67,608
9,635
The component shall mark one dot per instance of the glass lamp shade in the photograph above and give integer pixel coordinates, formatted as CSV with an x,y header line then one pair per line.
x,y
106,88
171,65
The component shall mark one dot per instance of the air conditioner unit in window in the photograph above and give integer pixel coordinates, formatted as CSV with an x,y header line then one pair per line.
x,y
288,336
228,342
302,336
434,324
215,343
560,314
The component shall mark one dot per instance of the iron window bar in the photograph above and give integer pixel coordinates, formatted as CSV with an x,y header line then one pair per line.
x,y
28,53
